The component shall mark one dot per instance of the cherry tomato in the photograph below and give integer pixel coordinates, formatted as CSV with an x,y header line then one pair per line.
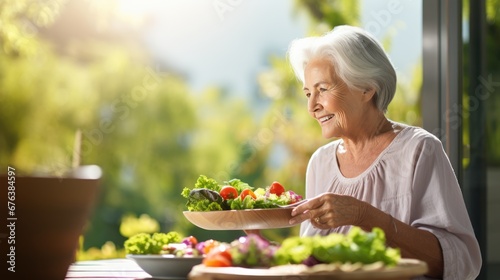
x,y
246,192
218,257
228,192
276,188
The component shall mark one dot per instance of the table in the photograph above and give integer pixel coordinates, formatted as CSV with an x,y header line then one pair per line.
x,y
126,269
116,269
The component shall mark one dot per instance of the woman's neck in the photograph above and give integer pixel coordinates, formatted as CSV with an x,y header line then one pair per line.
x,y
372,135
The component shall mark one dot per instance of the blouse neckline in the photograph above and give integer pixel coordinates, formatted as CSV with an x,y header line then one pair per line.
x,y
374,163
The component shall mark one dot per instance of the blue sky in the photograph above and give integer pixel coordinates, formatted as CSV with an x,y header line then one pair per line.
x,y
229,42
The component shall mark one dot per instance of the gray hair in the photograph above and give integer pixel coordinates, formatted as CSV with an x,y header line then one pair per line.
x,y
357,57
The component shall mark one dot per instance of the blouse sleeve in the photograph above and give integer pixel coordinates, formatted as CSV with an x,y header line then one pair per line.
x,y
306,227
438,206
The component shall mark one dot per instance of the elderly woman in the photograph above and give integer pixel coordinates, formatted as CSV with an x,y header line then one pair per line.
x,y
377,173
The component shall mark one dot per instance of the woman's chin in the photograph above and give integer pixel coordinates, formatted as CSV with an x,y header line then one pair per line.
x,y
329,134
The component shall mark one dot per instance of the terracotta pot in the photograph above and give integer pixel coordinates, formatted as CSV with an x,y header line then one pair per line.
x,y
49,214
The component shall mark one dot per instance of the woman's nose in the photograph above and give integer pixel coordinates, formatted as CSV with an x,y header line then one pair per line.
x,y
312,104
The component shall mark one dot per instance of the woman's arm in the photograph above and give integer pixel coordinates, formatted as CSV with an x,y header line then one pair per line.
x,y
413,242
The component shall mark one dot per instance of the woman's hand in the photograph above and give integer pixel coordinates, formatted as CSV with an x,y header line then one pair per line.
x,y
330,210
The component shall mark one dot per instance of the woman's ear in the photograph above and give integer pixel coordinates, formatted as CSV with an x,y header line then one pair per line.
x,y
368,94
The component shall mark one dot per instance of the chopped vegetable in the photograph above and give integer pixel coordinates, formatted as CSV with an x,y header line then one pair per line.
x,y
252,251
187,248
190,241
356,246
238,185
249,192
205,200
208,195
246,203
219,256
276,188
145,243
207,246
228,192
204,182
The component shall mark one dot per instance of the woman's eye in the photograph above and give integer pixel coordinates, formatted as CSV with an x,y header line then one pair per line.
x,y
322,89
308,94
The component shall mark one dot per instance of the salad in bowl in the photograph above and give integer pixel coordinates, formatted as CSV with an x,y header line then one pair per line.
x,y
208,195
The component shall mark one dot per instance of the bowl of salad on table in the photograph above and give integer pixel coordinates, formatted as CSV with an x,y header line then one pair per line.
x,y
165,254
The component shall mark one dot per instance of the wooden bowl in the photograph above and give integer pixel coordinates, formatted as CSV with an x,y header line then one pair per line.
x,y
241,219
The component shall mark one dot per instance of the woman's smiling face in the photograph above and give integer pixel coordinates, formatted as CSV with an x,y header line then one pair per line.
x,y
330,101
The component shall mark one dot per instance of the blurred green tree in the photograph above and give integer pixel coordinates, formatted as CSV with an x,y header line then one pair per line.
x,y
21,22
151,135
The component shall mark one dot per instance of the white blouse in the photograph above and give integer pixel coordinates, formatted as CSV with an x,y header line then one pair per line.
x,y
412,180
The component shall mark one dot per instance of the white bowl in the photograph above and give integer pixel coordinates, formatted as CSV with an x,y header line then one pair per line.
x,y
166,266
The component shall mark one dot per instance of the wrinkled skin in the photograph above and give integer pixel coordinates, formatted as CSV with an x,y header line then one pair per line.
x,y
332,211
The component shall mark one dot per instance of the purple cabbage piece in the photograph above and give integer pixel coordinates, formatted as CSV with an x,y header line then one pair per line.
x,y
246,241
188,242
252,251
294,197
200,247
311,261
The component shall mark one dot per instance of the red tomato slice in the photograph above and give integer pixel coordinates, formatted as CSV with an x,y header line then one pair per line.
x,y
276,188
246,192
228,192
216,261
218,257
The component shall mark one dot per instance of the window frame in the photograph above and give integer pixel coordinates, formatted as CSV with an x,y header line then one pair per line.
x,y
442,76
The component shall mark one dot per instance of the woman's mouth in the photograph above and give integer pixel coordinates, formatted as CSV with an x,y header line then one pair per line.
x,y
325,118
